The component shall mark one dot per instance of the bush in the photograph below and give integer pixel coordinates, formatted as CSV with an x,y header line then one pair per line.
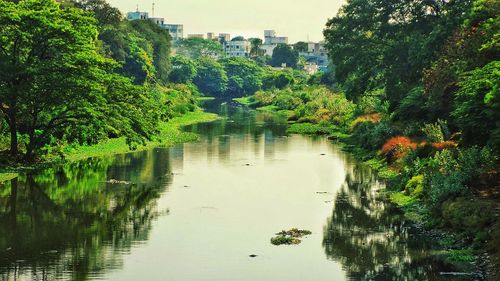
x,y
453,172
436,132
415,186
444,145
468,216
371,135
397,147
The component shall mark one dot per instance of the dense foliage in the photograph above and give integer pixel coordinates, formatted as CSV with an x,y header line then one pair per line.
x,y
76,72
425,77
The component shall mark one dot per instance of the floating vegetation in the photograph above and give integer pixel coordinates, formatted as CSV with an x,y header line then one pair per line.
x,y
113,181
290,237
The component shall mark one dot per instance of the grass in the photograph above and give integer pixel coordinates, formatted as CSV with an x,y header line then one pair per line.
x,y
205,98
247,101
463,255
311,129
268,108
402,200
170,134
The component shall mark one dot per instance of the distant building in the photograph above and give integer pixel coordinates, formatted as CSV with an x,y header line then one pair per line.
x,y
270,38
201,36
271,41
240,48
316,54
211,36
137,15
158,21
176,30
311,68
224,37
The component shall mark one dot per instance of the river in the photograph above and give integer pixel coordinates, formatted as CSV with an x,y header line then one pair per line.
x,y
198,211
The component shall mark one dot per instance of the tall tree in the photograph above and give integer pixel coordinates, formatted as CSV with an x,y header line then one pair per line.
x,y
47,72
301,46
211,78
52,77
284,54
183,70
244,76
198,47
378,44
255,50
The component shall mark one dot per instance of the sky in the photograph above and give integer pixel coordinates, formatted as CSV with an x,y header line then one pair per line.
x,y
297,19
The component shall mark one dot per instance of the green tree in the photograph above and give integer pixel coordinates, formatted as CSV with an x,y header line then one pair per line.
x,y
211,78
477,106
54,85
387,44
244,76
255,50
284,54
103,12
160,41
183,70
301,46
197,47
48,72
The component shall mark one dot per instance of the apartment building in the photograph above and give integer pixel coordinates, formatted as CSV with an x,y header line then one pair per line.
x,y
239,48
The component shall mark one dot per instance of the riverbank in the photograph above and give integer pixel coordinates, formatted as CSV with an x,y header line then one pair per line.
x,y
170,134
464,227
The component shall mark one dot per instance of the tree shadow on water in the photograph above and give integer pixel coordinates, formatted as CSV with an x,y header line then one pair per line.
x,y
372,240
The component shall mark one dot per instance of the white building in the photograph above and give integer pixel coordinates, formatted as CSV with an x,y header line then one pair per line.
x,y
158,21
201,36
137,15
176,30
270,38
237,48
211,36
271,41
224,37
316,54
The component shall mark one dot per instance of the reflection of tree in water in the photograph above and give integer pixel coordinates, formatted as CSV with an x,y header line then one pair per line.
x,y
67,222
370,239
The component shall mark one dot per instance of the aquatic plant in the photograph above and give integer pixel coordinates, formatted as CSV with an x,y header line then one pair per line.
x,y
289,237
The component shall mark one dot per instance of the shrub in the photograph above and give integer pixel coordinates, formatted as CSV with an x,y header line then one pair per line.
x,y
265,97
415,186
397,147
373,118
436,132
370,135
452,172
444,145
466,215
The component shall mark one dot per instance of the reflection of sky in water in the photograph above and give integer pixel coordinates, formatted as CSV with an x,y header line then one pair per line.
x,y
196,211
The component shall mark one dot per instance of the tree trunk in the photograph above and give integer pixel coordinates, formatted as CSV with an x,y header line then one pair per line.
x,y
14,151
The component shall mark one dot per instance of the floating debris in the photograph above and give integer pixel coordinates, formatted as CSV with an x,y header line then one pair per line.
x,y
113,181
51,252
253,256
290,237
321,192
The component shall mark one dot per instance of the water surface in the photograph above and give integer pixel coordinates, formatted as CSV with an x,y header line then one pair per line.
x,y
198,210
